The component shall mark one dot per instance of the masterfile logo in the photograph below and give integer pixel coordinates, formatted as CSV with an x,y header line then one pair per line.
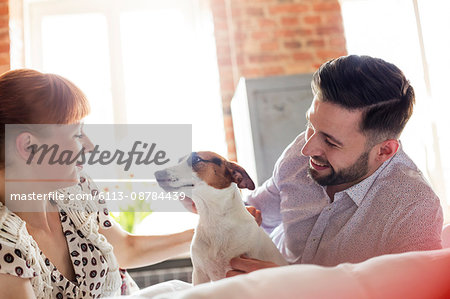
x,y
59,162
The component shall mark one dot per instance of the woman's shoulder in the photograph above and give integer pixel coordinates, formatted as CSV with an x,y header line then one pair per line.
x,y
15,255
11,226
14,261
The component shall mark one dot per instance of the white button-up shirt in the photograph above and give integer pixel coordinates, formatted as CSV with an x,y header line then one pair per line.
x,y
394,210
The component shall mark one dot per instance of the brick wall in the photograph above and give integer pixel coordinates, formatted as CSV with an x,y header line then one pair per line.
x,y
257,38
4,36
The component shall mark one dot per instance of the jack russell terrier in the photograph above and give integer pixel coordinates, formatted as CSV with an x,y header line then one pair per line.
x,y
225,229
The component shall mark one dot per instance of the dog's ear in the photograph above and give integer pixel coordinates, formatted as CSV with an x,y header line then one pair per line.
x,y
240,176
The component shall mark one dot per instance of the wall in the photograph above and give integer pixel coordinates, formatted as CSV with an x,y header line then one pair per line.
x,y
4,36
258,38
254,38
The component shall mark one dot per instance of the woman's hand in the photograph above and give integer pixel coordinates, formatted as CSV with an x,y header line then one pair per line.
x,y
255,213
189,205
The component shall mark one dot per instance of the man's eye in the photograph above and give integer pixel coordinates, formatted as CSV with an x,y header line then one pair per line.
x,y
79,136
329,143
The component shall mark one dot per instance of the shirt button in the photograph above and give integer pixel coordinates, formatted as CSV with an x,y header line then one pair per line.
x,y
314,240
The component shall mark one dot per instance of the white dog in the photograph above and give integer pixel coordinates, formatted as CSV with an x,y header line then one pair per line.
x,y
225,229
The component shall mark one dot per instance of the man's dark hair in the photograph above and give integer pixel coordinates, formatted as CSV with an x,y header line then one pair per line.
x,y
377,87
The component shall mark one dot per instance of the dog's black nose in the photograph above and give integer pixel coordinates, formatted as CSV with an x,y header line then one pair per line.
x,y
160,175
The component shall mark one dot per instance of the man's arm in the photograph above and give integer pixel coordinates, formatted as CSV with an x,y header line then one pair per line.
x,y
266,198
417,227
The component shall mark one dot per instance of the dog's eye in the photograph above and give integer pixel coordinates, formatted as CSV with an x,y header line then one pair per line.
x,y
196,159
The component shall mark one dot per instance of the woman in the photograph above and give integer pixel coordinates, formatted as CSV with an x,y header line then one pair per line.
x,y
59,249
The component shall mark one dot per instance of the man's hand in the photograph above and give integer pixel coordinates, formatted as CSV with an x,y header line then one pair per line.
x,y
244,264
255,213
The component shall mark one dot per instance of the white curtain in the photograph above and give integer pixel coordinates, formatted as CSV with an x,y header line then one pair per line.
x,y
415,36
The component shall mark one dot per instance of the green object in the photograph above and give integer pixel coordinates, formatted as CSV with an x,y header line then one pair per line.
x,y
129,218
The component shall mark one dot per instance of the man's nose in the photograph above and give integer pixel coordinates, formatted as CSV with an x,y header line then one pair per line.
x,y
312,147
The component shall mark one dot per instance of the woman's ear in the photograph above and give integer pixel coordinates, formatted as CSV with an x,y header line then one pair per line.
x,y
387,149
25,145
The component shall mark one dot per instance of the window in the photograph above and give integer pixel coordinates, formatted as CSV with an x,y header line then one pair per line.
x,y
138,61
413,34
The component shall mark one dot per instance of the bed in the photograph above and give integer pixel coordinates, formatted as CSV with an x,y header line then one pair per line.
x,y
412,275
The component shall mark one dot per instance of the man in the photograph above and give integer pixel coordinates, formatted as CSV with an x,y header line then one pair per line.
x,y
344,190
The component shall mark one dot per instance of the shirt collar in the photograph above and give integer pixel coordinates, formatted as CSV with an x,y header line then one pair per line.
x,y
358,191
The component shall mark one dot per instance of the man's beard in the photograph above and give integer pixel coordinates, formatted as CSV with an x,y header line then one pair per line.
x,y
350,174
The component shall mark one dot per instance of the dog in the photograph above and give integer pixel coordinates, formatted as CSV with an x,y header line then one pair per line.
x,y
225,229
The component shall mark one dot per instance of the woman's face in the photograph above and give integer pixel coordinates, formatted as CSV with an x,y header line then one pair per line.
x,y
58,154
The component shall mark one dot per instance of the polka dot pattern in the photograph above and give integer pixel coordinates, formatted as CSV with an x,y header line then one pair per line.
x,y
88,262
8,258
107,223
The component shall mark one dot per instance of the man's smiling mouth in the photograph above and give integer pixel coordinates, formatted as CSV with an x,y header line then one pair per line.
x,y
317,165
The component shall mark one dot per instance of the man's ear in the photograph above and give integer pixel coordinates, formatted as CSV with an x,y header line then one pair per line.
x,y
387,149
25,145
240,176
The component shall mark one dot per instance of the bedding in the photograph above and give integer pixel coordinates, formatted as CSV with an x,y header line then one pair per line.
x,y
412,275
408,275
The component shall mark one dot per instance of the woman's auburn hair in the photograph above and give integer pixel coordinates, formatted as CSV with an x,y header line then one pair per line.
x,y
31,97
